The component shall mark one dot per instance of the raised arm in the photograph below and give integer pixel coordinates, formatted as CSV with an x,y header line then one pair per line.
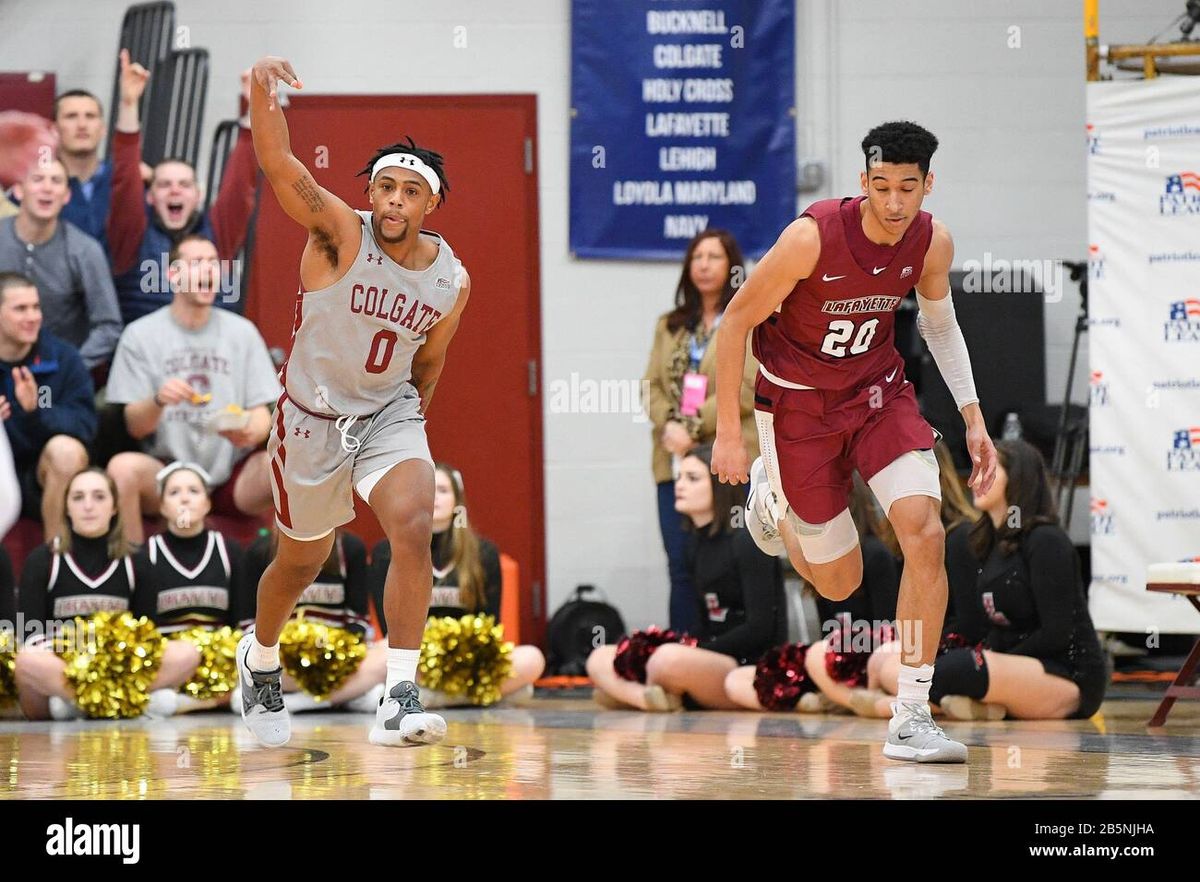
x,y
333,227
790,259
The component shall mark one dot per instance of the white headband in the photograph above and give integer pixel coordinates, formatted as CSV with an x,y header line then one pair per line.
x,y
161,478
407,160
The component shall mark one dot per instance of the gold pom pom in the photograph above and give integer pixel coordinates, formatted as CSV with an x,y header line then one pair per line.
x,y
112,658
8,662
465,657
216,675
320,658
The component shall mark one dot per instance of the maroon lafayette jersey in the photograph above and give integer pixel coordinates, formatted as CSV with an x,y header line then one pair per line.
x,y
836,329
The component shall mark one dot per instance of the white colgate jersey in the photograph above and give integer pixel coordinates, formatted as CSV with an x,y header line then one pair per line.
x,y
353,342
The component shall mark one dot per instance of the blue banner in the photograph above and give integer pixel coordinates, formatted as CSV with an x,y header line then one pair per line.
x,y
683,118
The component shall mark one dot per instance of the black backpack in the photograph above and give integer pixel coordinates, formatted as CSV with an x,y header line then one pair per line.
x,y
576,628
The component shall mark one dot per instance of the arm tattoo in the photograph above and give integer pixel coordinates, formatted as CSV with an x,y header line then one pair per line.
x,y
307,189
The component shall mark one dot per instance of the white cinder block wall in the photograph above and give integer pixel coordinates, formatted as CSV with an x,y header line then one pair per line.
x,y
1010,173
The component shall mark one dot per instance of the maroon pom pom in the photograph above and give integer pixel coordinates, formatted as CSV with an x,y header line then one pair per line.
x,y
844,662
780,678
634,651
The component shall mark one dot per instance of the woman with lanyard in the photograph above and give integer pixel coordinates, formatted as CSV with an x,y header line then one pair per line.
x,y
681,391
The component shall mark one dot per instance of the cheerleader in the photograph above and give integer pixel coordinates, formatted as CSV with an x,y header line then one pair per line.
x,y
1028,648
72,594
466,582
197,594
739,595
324,645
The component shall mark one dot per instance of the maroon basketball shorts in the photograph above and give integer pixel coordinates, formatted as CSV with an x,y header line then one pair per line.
x,y
817,438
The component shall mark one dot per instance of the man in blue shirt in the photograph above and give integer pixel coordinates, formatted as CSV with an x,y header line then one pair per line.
x,y
46,402
79,119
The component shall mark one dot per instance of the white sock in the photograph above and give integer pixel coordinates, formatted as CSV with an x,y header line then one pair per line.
x,y
914,684
263,658
401,666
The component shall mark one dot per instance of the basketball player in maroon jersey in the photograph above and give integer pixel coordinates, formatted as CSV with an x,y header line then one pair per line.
x,y
831,398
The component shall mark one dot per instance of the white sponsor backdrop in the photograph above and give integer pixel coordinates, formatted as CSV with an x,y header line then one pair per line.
x,y
1144,323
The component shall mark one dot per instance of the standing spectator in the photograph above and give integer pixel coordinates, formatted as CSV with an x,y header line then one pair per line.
x,y
68,266
144,225
195,383
682,390
46,402
79,119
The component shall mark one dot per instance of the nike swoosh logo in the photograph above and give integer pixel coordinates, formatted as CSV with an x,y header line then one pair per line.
x,y
829,278
888,379
878,270
930,679
903,737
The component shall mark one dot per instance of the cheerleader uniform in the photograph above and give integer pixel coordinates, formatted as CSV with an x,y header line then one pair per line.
x,y
196,582
197,594
446,599
57,588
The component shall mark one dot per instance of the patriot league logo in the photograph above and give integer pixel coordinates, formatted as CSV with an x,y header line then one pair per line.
x,y
1102,518
1184,455
1181,194
1183,322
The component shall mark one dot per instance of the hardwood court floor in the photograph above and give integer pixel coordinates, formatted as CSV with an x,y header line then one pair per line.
x,y
555,748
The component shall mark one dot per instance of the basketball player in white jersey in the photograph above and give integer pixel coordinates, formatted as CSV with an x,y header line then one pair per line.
x,y
379,301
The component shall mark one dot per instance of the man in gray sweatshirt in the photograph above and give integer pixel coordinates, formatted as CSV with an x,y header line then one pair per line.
x,y
67,265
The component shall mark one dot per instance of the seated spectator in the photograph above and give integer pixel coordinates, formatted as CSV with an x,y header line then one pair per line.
x,y
46,403
739,595
145,225
197,594
8,597
68,266
25,138
86,570
1019,604
10,486
466,581
195,383
334,611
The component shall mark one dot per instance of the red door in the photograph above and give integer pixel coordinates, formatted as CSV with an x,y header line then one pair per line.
x,y
486,413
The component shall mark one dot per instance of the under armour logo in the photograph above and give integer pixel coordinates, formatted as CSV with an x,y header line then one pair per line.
x,y
298,432
371,257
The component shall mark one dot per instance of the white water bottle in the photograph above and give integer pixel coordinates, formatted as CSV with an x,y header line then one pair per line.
x,y
1012,427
